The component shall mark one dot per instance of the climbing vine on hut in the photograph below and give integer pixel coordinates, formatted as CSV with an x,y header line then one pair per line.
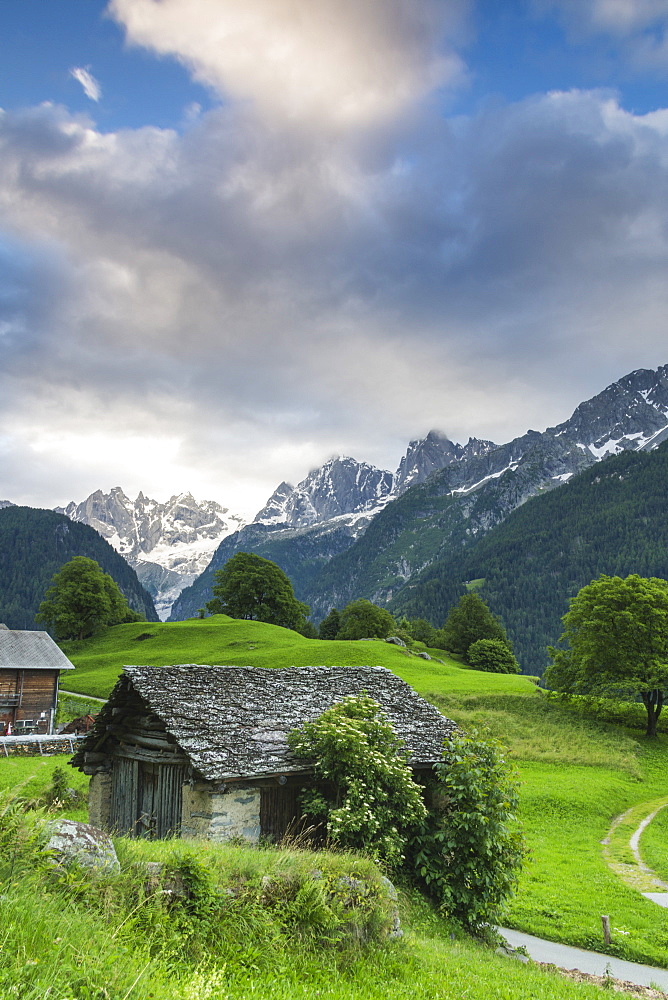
x,y
365,794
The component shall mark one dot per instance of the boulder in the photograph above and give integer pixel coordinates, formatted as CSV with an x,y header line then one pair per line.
x,y
394,932
395,640
84,844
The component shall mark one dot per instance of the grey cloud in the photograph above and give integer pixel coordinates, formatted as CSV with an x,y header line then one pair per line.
x,y
264,297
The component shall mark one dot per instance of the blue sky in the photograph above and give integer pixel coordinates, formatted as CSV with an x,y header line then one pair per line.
x,y
512,49
237,239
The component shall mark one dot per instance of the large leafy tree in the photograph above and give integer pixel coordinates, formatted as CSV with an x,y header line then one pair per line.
x,y
467,622
363,620
251,587
81,599
617,630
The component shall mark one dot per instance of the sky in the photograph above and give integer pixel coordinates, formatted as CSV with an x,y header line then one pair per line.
x,y
238,239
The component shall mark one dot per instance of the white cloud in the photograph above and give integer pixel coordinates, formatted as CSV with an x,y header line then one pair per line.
x,y
260,297
639,27
90,85
347,62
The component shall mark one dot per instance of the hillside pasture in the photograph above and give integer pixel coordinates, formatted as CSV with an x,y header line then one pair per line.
x,y
224,641
579,766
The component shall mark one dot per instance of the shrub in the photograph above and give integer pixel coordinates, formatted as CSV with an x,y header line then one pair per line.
x,y
492,655
370,801
469,851
363,620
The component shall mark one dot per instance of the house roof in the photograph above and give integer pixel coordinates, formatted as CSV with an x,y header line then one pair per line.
x,y
30,651
232,722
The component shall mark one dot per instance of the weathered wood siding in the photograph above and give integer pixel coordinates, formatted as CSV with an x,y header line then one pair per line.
x,y
28,696
279,811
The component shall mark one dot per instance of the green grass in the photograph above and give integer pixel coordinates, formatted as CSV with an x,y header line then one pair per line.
x,y
654,845
31,777
579,767
577,774
225,641
76,937
33,774
534,728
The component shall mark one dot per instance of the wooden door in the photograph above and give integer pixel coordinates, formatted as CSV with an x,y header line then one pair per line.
x,y
124,786
160,800
279,811
146,798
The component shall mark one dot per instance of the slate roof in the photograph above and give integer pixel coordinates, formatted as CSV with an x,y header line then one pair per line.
x,y
232,722
30,651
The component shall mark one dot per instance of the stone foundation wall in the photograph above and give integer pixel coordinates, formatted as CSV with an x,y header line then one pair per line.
x,y
221,815
99,801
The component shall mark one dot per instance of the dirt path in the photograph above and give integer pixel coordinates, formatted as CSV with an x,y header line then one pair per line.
x,y
622,852
77,694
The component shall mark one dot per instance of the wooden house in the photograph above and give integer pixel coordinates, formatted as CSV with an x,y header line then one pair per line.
x,y
30,664
199,751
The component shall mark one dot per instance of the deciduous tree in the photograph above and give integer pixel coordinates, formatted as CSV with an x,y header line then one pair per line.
x,y
617,630
469,621
492,655
251,587
81,599
364,620
330,626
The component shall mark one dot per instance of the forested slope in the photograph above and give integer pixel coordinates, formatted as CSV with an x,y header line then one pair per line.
x,y
611,519
34,544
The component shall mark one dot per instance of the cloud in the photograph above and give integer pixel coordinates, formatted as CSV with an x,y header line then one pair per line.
x,y
639,27
90,85
222,309
344,62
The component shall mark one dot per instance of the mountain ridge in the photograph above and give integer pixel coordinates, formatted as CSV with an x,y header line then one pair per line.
x,y
438,516
168,545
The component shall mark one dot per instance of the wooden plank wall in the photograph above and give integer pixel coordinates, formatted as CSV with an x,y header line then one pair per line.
x,y
36,691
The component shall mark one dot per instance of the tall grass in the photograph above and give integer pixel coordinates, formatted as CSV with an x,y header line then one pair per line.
x,y
654,845
70,935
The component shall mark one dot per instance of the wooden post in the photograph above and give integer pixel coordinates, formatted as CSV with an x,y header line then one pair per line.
x,y
606,928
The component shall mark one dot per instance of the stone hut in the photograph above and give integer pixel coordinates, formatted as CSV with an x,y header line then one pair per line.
x,y
201,751
30,665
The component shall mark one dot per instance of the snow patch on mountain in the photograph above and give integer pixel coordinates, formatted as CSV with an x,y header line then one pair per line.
x,y
168,544
341,486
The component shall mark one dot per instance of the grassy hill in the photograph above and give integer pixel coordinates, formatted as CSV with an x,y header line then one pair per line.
x,y
220,640
579,766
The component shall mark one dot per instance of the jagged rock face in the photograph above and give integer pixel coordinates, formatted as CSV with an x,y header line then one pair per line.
x,y
467,498
340,486
436,451
168,544
628,415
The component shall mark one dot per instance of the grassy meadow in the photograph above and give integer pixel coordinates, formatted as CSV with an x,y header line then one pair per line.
x,y
579,768
220,640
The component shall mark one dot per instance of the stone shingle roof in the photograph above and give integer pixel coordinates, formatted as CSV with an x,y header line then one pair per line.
x,y
30,651
232,722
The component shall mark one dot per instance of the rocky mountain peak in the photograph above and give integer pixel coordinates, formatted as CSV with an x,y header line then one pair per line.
x,y
340,486
631,413
167,544
435,451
